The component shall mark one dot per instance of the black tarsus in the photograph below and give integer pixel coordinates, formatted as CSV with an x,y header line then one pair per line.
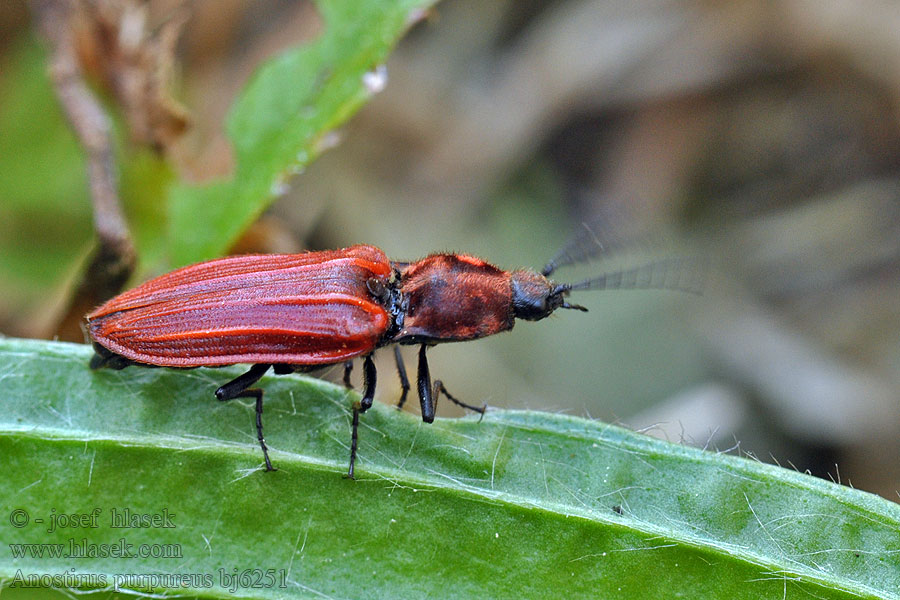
x,y
354,441
370,376
439,387
404,380
238,388
429,396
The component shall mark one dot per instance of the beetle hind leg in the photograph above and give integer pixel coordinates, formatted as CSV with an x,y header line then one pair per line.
x,y
239,387
370,377
429,396
439,388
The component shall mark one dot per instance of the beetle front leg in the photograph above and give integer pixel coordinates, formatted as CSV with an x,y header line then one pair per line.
x,y
369,378
429,396
404,380
238,388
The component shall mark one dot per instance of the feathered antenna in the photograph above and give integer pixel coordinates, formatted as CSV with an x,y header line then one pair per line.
x,y
615,231
605,234
686,274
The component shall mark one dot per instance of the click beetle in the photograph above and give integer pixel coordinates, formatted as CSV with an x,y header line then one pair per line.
x,y
299,312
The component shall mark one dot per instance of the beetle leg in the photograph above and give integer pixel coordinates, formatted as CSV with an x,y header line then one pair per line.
x,y
354,440
423,384
238,388
348,368
370,376
439,387
429,396
404,380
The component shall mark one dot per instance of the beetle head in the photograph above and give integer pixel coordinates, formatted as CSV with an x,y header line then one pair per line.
x,y
535,297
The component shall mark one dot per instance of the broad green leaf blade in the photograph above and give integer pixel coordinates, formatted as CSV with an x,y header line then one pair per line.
x,y
522,504
280,122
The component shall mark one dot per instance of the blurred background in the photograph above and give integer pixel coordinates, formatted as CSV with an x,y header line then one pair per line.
x,y
762,135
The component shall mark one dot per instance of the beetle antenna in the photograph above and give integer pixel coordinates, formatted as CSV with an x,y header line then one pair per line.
x,y
681,274
574,306
593,239
604,234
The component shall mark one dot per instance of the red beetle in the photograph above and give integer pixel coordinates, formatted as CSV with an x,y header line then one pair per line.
x,y
298,312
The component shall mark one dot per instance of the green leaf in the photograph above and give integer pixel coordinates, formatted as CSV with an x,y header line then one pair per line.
x,y
522,504
281,120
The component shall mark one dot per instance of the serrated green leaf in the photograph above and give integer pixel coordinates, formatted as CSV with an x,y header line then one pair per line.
x,y
279,123
522,504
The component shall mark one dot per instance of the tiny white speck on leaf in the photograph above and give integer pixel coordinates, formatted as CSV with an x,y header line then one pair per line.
x,y
376,79
327,141
279,187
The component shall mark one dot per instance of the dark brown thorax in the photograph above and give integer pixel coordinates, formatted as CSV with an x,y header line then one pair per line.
x,y
453,297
